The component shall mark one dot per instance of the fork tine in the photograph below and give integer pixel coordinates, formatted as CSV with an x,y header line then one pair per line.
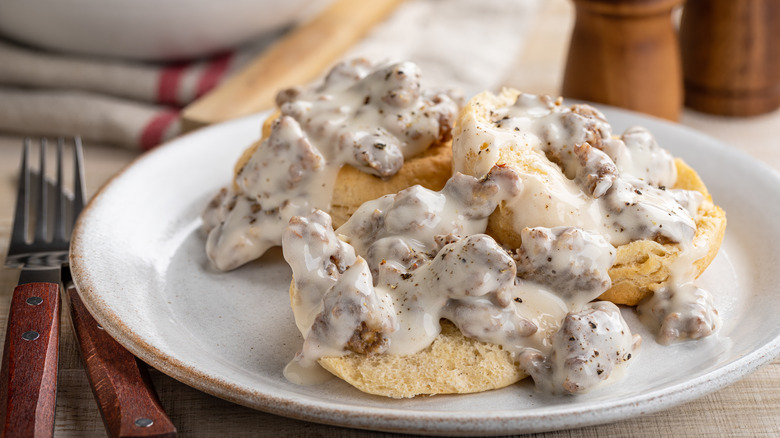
x,y
42,217
59,213
78,178
19,232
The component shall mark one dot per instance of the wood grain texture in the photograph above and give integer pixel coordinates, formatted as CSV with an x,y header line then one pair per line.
x,y
296,59
28,380
731,56
120,383
625,53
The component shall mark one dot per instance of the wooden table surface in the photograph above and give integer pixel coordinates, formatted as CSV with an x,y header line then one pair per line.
x,y
750,407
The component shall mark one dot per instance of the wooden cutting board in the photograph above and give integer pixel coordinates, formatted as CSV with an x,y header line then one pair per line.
x,y
295,59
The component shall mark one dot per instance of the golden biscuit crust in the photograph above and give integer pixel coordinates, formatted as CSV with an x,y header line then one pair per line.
x,y
430,169
642,266
452,364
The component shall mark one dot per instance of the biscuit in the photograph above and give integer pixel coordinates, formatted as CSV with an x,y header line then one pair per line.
x,y
430,169
452,364
641,266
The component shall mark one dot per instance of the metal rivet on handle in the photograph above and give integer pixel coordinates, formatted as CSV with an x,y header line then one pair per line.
x,y
30,335
144,422
34,301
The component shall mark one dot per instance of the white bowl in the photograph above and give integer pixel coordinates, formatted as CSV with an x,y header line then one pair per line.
x,y
144,29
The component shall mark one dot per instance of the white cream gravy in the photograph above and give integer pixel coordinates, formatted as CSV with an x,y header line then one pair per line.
x,y
575,172
431,260
381,283
367,116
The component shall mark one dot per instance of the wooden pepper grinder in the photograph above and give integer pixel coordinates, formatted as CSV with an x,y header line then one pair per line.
x,y
731,56
626,53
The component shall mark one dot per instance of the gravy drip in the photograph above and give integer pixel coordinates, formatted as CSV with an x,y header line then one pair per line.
x,y
420,256
370,117
591,348
680,309
287,177
576,173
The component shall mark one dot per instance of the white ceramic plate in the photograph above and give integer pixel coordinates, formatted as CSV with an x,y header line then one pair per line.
x,y
139,264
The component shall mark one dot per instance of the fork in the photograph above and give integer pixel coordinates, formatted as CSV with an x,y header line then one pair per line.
x,y
28,378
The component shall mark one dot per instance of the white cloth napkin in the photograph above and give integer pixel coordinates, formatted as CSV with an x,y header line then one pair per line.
x,y
131,104
469,44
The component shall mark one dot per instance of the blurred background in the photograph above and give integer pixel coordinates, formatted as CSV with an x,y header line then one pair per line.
x,y
121,73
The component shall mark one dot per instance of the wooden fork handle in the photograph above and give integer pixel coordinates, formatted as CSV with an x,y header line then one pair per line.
x,y
28,379
120,382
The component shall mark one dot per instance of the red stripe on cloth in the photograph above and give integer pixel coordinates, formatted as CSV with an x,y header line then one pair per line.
x,y
168,85
152,133
213,73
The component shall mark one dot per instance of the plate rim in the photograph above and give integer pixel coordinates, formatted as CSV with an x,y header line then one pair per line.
x,y
394,419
